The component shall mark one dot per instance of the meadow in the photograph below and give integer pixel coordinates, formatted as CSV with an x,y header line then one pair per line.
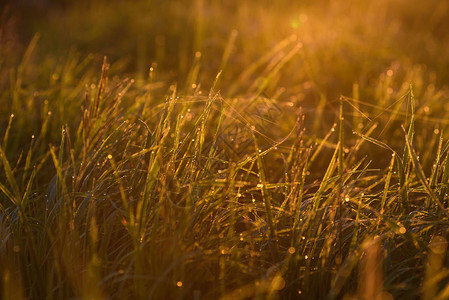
x,y
224,149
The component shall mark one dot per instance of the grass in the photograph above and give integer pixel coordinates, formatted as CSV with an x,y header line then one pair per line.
x,y
224,151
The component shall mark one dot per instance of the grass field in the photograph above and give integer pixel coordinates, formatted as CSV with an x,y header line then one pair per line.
x,y
224,149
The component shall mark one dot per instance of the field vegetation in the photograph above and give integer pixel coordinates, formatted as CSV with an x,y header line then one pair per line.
x,y
224,149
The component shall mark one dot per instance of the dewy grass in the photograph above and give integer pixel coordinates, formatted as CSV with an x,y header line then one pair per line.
x,y
238,165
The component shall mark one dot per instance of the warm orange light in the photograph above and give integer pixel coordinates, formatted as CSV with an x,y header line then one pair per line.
x,y
278,283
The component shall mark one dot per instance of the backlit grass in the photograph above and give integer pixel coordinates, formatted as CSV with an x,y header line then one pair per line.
x,y
207,150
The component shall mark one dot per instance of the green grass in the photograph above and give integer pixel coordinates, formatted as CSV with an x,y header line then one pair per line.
x,y
205,150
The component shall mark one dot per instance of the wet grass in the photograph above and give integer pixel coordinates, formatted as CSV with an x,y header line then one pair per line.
x,y
224,151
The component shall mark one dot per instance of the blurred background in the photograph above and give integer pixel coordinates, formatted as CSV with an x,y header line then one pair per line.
x,y
352,39
302,53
